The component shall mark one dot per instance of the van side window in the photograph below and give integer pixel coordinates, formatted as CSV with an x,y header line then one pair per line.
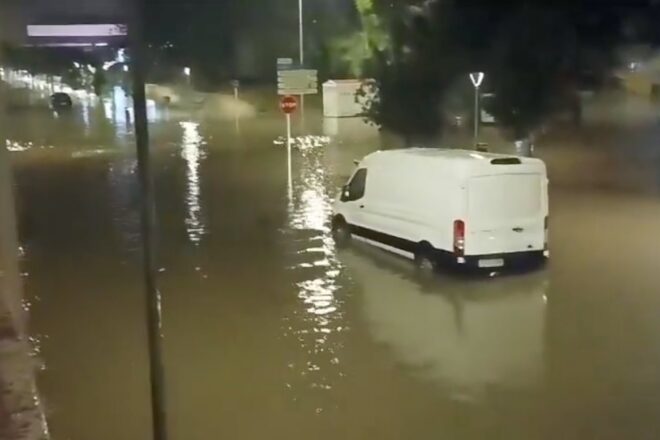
x,y
357,186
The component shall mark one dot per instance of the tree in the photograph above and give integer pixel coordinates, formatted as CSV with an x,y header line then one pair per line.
x,y
530,69
529,53
403,100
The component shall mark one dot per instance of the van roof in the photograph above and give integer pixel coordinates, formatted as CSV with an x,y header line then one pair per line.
x,y
456,160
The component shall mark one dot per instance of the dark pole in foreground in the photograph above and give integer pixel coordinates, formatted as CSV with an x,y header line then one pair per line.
x,y
153,299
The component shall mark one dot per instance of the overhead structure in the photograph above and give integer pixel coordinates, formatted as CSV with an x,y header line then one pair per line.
x,y
76,35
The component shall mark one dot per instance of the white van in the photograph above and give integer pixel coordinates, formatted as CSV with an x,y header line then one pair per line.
x,y
447,206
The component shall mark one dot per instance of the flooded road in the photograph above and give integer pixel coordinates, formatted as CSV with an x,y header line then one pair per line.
x,y
271,332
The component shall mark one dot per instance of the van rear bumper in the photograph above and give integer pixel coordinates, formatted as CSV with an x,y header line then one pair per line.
x,y
514,259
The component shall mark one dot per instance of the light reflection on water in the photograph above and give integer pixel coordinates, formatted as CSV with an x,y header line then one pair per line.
x,y
85,108
117,109
317,327
16,146
191,152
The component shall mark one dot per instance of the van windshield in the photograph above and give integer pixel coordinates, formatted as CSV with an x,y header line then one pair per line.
x,y
493,199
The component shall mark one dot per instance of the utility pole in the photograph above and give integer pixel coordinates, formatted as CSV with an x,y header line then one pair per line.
x,y
152,295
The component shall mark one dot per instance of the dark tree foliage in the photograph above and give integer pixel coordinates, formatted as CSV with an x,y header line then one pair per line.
x,y
404,100
530,51
531,68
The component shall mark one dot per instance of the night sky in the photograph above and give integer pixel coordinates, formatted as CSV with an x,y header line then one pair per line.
x,y
15,14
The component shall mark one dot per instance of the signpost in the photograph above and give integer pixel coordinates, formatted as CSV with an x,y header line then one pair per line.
x,y
288,105
235,84
477,79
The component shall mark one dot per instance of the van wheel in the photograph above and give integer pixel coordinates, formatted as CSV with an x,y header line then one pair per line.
x,y
341,232
424,262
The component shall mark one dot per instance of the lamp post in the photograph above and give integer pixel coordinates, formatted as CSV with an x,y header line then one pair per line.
x,y
477,79
187,72
301,33
301,54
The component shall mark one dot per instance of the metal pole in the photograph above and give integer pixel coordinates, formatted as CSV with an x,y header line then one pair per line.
x,y
237,117
152,295
301,47
476,116
301,33
288,152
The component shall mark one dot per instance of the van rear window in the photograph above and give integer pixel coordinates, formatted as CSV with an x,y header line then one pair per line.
x,y
506,161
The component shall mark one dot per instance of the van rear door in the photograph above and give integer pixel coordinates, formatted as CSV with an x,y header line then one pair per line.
x,y
506,213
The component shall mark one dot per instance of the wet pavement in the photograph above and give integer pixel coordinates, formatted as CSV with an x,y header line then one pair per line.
x,y
271,332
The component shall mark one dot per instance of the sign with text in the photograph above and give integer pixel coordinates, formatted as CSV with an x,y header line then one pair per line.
x,y
297,82
285,64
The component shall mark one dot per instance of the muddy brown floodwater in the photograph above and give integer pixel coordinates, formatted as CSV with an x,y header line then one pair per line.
x,y
271,332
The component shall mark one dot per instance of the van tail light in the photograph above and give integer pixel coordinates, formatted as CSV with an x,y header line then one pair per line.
x,y
546,234
459,238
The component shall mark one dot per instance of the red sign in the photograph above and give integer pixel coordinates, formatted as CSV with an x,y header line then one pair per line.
x,y
288,104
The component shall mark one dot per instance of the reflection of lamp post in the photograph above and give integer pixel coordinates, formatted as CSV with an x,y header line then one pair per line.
x,y
477,79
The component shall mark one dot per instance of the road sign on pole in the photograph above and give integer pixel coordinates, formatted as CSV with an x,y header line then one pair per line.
x,y
288,105
235,84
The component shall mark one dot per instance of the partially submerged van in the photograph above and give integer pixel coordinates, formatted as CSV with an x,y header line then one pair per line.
x,y
447,206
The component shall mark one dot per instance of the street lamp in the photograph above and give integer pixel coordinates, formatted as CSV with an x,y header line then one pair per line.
x,y
301,47
187,72
477,79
